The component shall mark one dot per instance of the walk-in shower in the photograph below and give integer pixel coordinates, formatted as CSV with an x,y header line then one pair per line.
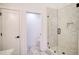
x,y
63,32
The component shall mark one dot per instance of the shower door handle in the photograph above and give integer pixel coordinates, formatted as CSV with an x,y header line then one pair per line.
x,y
58,30
17,36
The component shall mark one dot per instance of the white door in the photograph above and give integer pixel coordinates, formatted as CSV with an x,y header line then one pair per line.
x,y
10,30
33,32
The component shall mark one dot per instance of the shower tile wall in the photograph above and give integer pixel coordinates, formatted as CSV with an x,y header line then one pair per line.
x,y
68,39
67,19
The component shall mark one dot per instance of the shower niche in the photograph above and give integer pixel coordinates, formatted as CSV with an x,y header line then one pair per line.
x,y
63,30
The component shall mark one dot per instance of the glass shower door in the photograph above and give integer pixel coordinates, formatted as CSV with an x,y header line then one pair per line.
x,y
68,39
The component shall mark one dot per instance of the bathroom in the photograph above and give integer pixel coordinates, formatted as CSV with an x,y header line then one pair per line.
x,y
39,28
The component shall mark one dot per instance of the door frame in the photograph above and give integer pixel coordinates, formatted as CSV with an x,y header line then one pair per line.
x,y
41,25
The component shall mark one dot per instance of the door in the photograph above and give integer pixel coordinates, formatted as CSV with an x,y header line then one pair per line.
x,y
10,30
33,32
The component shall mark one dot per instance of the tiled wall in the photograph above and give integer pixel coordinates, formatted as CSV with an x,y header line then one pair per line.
x,y
66,19
68,40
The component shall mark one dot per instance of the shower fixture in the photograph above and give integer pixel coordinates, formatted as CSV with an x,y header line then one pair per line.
x,y
69,23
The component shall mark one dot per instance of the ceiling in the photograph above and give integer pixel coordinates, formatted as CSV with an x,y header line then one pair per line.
x,y
52,5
